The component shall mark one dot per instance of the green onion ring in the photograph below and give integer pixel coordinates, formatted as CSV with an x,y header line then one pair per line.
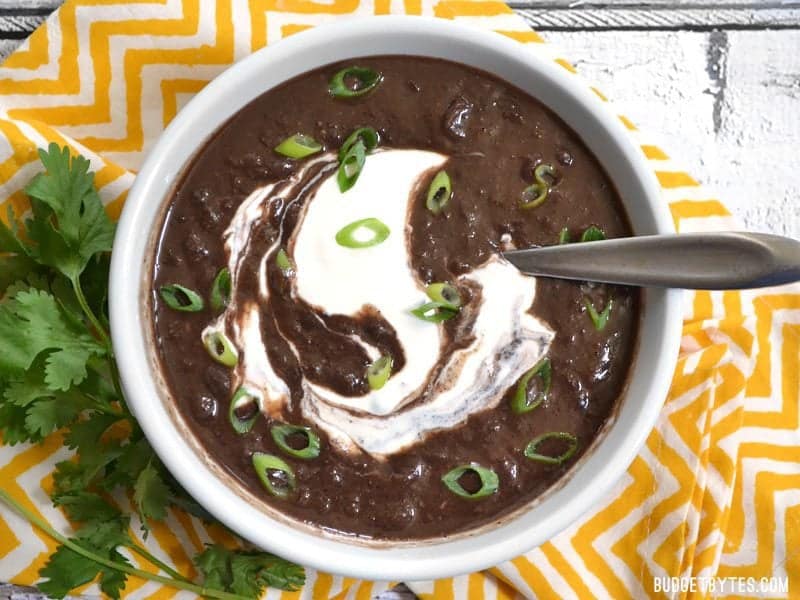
x,y
221,289
379,371
439,192
544,174
368,79
563,236
280,434
434,312
593,234
346,236
181,298
489,481
534,195
367,135
283,262
298,146
445,294
220,347
264,463
599,320
242,397
533,445
351,165
521,403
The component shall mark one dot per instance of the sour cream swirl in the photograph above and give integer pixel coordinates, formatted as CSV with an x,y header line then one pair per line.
x,y
434,389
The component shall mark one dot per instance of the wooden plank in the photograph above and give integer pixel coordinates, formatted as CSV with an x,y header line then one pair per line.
x,y
30,5
663,19
18,19
19,26
725,103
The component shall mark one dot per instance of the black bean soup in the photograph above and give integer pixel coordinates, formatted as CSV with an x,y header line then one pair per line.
x,y
337,419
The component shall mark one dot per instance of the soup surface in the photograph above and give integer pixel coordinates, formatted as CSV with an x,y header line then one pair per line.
x,y
346,339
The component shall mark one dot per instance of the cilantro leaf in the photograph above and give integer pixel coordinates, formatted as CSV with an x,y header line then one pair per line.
x,y
214,563
9,242
274,572
12,425
132,458
28,389
46,416
106,535
69,224
94,282
86,507
246,572
57,370
66,569
32,322
151,495
12,268
253,571
32,281
85,434
112,581
81,474
182,500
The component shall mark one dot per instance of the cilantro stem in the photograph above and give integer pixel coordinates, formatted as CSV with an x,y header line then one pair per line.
x,y
86,553
161,565
101,331
87,310
103,407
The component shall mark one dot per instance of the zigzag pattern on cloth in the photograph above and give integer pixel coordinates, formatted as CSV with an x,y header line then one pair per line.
x,y
714,492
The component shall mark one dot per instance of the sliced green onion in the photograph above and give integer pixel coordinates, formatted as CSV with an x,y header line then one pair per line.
x,y
439,192
531,450
593,234
378,372
522,402
534,195
298,146
434,312
221,289
220,347
181,298
489,481
563,236
367,135
283,262
281,433
600,320
244,398
445,294
351,165
353,235
545,174
269,466
366,80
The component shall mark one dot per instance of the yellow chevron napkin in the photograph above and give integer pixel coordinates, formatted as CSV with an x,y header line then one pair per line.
x,y
715,492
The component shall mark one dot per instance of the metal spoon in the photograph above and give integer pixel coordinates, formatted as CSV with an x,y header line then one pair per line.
x,y
701,261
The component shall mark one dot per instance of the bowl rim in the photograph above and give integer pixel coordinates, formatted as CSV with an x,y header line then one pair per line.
x,y
489,546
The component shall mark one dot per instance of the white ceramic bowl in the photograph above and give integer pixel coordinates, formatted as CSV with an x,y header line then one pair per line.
x,y
599,468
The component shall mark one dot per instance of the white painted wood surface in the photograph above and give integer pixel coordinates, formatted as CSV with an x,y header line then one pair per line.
x,y
717,80
726,103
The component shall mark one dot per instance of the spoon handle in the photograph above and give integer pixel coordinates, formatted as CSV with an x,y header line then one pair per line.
x,y
707,261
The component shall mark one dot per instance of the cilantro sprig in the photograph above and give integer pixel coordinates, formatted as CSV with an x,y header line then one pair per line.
x,y
58,374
